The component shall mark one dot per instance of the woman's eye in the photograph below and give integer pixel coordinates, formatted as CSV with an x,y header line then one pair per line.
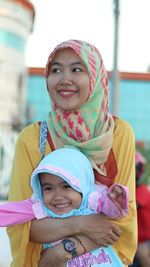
x,y
77,70
55,70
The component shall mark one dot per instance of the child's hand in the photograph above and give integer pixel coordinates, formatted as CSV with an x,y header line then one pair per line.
x,y
117,196
55,257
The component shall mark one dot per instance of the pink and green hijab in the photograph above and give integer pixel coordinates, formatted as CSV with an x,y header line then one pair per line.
x,y
91,127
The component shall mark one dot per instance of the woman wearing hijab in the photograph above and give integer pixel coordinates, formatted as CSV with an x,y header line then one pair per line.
x,y
77,84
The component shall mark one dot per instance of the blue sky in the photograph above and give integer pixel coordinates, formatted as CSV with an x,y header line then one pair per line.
x,y
93,21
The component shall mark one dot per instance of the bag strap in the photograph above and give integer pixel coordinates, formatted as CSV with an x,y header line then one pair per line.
x,y
44,137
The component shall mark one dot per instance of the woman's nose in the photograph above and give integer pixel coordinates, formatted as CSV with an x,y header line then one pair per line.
x,y
66,79
66,82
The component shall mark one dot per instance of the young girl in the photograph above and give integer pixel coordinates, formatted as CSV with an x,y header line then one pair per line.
x,y
62,188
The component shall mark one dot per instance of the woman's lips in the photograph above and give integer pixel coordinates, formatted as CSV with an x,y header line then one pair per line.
x,y
67,93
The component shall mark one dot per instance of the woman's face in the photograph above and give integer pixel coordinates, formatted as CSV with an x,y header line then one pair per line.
x,y
68,81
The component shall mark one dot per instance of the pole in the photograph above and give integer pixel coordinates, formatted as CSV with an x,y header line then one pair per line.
x,y
115,74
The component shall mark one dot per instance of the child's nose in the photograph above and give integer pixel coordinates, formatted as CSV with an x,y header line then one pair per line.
x,y
59,192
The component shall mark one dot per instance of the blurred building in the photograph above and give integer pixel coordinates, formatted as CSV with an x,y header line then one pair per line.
x,y
23,93
16,23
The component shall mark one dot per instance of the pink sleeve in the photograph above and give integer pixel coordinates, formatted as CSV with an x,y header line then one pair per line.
x,y
100,202
12,213
110,209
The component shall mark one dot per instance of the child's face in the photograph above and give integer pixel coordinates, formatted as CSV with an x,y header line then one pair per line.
x,y
58,195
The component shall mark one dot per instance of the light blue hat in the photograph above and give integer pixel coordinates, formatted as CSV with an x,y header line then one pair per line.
x,y
73,167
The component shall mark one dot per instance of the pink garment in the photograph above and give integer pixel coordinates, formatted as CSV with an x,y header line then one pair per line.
x,y
12,213
139,158
100,202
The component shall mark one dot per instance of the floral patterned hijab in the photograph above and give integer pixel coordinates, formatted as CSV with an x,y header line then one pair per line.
x,y
91,127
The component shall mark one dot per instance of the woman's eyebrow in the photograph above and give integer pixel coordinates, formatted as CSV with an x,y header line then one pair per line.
x,y
72,63
55,63
77,63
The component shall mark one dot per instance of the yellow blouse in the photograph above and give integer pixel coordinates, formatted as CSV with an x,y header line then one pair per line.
x,y
26,159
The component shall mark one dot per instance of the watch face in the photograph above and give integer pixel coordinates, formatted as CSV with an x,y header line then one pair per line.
x,y
69,245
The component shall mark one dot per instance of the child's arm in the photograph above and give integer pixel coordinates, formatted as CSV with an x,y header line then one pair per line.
x,y
119,197
113,201
12,213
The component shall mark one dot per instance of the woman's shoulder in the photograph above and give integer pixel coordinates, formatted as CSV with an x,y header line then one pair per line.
x,y
124,137
29,135
123,128
29,138
29,131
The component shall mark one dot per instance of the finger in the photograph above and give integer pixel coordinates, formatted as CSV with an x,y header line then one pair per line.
x,y
114,238
112,227
112,195
110,241
116,230
119,190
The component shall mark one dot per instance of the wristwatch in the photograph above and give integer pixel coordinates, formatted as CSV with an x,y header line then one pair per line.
x,y
69,246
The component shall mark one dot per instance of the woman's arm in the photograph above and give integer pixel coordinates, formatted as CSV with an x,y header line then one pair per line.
x,y
93,231
124,152
98,228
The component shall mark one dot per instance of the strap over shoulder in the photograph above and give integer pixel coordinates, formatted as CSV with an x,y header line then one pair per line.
x,y
43,137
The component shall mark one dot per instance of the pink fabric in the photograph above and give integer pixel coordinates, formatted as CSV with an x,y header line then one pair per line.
x,y
100,202
59,171
139,158
12,213
38,210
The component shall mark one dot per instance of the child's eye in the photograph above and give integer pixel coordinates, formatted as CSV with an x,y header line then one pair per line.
x,y
66,186
47,188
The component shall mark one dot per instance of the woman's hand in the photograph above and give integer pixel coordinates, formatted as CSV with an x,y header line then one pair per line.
x,y
55,257
100,229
